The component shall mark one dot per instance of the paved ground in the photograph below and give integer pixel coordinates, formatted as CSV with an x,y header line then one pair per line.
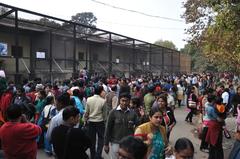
x,y
184,129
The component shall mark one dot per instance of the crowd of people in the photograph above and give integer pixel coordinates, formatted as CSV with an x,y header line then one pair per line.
x,y
129,118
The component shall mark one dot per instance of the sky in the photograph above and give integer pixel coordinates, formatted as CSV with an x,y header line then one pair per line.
x,y
131,24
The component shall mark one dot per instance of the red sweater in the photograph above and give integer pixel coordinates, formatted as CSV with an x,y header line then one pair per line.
x,y
214,130
5,101
19,140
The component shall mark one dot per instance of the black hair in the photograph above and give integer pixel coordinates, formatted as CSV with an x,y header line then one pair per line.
x,y
211,98
49,100
136,101
14,111
138,88
76,92
219,100
151,88
55,86
114,88
21,89
70,111
226,89
136,147
28,109
43,93
98,89
64,99
163,96
25,81
125,95
182,144
153,111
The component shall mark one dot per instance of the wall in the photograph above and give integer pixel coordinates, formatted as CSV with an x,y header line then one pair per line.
x,y
185,63
9,61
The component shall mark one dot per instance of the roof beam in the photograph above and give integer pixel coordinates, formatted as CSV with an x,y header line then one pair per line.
x,y
6,14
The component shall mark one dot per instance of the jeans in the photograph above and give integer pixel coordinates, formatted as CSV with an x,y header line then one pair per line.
x,y
96,128
190,114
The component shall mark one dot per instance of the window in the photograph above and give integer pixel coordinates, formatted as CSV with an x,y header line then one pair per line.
x,y
80,56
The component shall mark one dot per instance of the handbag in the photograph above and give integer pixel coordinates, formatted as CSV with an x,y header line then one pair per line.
x,y
192,104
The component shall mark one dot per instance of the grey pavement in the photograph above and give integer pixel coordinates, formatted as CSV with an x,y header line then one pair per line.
x,y
184,129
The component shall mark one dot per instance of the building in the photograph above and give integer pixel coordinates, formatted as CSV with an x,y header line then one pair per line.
x,y
50,51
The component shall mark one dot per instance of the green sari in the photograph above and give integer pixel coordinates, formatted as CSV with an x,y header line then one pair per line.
x,y
157,146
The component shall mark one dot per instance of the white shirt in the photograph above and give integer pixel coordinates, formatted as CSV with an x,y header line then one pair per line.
x,y
194,80
119,108
55,121
225,97
94,108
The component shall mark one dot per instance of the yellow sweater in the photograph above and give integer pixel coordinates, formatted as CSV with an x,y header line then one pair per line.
x,y
145,129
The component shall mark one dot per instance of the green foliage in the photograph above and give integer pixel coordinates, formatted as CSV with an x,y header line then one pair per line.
x,y
166,43
85,18
215,29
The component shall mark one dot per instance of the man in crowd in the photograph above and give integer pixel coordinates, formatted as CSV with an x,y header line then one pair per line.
x,y
69,142
111,100
62,102
132,148
94,116
18,136
149,98
121,122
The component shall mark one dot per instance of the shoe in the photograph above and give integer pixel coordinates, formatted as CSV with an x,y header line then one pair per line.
x,y
204,150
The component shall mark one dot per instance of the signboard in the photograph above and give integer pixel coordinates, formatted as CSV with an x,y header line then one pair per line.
x,y
40,55
3,49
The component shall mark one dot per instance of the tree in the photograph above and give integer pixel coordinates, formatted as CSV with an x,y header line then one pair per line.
x,y
85,18
166,43
215,28
46,21
198,61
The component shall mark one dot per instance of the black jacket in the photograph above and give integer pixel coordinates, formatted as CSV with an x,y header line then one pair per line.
x,y
119,125
78,142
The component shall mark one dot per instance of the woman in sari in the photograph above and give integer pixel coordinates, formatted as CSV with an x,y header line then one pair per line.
x,y
154,135
168,120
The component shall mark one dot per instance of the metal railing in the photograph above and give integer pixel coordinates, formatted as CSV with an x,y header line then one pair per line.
x,y
25,65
